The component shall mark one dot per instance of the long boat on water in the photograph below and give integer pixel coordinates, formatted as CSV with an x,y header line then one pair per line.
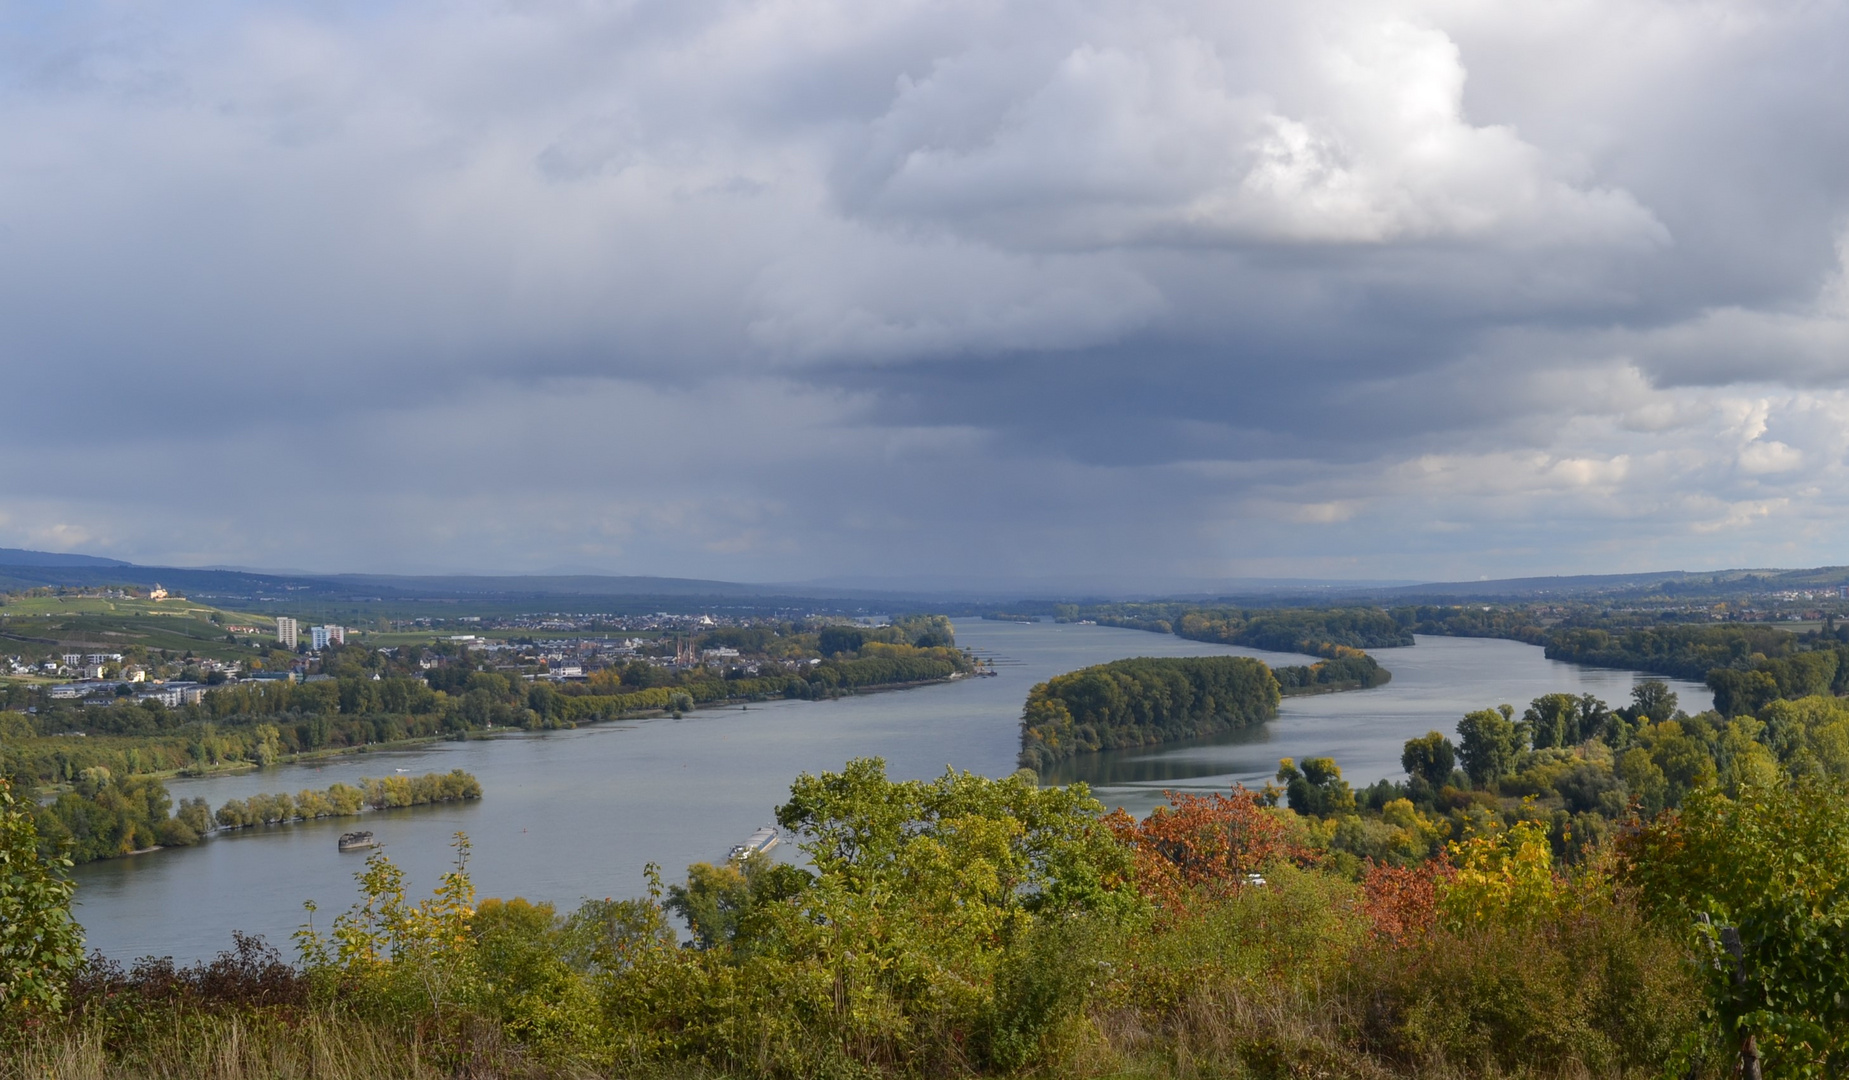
x,y
354,841
758,843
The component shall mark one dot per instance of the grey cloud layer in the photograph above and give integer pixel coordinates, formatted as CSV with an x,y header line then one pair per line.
x,y
807,287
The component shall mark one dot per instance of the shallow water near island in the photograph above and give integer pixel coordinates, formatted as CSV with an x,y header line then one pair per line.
x,y
573,814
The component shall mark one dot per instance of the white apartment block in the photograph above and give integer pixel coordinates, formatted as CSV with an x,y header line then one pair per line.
x,y
288,631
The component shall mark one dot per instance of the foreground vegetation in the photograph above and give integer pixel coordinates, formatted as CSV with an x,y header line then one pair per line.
x,y
1572,889
967,926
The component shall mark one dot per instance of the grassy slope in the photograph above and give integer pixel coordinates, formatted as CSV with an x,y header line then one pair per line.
x,y
42,624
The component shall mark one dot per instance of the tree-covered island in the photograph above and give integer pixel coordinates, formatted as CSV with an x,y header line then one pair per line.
x,y
1147,700
102,817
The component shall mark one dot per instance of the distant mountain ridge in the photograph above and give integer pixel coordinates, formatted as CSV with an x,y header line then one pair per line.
x,y
21,568
1670,582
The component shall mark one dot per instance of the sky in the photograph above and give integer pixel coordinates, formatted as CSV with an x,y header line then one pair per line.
x,y
1135,293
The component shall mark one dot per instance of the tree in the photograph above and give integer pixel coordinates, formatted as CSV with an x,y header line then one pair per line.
x,y
1737,692
1761,884
1653,698
40,946
1553,720
1317,789
1488,743
1205,845
834,640
985,849
1430,757
717,901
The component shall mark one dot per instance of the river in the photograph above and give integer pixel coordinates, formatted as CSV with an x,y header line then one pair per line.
x,y
574,814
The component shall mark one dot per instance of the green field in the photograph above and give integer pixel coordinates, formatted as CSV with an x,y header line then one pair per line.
x,y
17,605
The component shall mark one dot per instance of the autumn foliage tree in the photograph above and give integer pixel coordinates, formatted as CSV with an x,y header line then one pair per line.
x,y
1204,845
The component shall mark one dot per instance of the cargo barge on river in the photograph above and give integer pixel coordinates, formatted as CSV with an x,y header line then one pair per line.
x,y
758,843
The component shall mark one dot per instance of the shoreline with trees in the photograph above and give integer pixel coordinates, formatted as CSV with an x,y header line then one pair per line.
x,y
1746,665
368,699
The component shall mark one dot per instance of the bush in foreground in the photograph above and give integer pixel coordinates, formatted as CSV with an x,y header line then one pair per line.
x,y
966,926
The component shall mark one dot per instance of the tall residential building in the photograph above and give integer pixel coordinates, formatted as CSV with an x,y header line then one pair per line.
x,y
288,631
317,638
336,634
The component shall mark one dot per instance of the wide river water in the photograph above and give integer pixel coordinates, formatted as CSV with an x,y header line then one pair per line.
x,y
574,814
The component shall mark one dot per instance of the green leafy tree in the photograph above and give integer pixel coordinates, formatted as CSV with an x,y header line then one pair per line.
x,y
1488,743
1553,720
1654,699
40,945
718,902
1430,757
1761,885
1317,789
1737,692
1017,847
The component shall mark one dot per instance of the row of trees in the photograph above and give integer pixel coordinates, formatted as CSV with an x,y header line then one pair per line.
x,y
104,816
1682,650
1572,763
1306,630
345,800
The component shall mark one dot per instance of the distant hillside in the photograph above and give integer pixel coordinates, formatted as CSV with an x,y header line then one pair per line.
x,y
1664,583
364,595
23,569
23,557
516,585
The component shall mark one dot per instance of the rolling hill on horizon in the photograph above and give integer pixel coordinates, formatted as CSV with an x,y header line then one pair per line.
x,y
23,568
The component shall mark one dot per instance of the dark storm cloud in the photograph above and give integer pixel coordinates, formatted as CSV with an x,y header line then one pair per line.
x,y
807,287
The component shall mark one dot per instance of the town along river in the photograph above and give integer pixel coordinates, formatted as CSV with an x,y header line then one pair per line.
x,y
572,814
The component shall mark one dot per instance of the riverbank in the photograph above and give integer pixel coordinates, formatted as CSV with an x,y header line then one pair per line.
x,y
121,747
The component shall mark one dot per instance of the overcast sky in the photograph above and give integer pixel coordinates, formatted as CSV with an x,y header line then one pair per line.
x,y
1135,292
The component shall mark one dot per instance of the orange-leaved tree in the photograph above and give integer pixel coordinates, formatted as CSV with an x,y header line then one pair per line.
x,y
1402,901
1205,844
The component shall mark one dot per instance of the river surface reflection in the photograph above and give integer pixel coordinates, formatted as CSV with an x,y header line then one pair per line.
x,y
574,814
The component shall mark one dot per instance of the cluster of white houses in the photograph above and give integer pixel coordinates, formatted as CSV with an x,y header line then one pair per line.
x,y
172,693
